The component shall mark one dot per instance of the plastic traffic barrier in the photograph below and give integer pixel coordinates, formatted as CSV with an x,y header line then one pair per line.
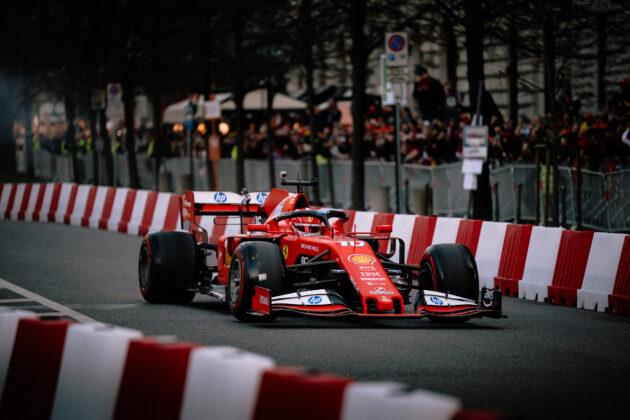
x,y
9,320
223,381
20,202
388,400
91,369
468,234
79,205
541,263
619,300
512,263
40,203
488,256
152,384
382,219
7,199
601,269
446,229
570,266
63,195
423,231
402,227
29,389
287,391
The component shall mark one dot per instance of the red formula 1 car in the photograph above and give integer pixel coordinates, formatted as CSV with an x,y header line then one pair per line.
x,y
290,257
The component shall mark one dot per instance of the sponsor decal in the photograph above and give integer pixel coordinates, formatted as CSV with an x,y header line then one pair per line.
x,y
264,300
361,259
315,300
260,197
187,203
371,274
351,243
220,197
310,247
374,279
304,259
381,291
385,299
436,301
285,251
366,268
488,297
262,277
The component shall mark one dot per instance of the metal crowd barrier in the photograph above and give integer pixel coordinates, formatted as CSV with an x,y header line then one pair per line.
x,y
436,190
605,197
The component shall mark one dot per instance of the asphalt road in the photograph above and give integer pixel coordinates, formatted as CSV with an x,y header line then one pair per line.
x,y
543,361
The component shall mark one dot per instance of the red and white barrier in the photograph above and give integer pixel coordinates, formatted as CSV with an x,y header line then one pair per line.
x,y
91,369
31,379
601,270
512,264
619,299
540,263
8,326
375,401
446,229
226,371
489,249
570,267
287,391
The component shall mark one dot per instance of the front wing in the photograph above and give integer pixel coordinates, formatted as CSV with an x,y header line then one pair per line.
x,y
328,303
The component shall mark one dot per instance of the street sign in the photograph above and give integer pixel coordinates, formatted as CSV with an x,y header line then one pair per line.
x,y
396,49
115,110
212,110
393,83
475,142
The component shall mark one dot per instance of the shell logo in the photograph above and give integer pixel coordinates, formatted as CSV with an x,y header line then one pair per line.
x,y
361,259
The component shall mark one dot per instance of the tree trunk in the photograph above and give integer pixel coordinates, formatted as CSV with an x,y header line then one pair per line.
x,y
358,57
451,50
157,133
130,138
512,72
70,136
8,161
270,136
239,96
601,62
93,136
107,148
550,103
28,136
473,22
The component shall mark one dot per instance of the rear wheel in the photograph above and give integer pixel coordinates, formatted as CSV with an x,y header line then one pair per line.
x,y
451,269
253,264
167,266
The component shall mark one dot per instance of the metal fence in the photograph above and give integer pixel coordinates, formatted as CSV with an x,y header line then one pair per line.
x,y
436,190
605,197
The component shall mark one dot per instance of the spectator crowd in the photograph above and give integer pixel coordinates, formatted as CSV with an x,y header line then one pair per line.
x,y
431,134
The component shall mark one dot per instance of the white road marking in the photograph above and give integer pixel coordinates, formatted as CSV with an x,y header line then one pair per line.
x,y
14,301
59,308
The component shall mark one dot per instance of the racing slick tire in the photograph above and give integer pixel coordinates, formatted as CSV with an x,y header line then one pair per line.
x,y
249,261
167,266
450,268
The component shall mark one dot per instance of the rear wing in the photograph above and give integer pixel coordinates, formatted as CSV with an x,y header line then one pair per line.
x,y
219,203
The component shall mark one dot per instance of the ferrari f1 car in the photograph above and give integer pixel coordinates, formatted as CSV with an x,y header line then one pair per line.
x,y
291,257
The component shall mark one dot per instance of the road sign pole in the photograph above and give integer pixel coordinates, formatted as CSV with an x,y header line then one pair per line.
x,y
399,207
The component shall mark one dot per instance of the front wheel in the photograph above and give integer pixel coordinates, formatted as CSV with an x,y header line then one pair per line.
x,y
451,269
253,264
